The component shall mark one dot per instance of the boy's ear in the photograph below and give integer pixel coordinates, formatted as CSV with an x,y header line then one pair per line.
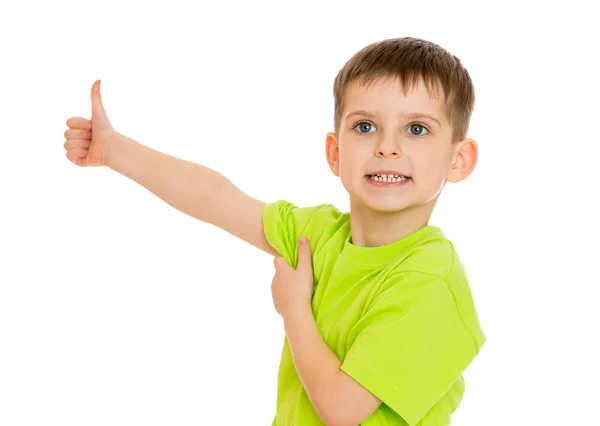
x,y
332,151
463,161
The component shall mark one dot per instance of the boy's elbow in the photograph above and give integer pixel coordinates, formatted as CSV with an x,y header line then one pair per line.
x,y
336,415
338,419
332,419
328,411
348,404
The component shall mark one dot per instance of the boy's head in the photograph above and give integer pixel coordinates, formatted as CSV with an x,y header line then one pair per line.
x,y
383,96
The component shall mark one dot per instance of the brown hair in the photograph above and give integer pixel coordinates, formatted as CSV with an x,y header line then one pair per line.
x,y
410,59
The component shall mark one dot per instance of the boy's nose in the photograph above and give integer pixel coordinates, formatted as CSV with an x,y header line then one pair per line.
x,y
388,148
386,153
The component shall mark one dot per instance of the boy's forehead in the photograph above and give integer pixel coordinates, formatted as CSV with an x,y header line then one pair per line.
x,y
387,95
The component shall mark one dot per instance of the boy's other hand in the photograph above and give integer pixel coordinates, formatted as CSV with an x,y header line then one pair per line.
x,y
292,289
88,141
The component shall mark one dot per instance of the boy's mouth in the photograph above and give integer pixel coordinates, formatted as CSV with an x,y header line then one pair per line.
x,y
388,177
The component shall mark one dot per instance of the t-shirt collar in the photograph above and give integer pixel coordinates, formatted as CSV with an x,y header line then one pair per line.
x,y
383,254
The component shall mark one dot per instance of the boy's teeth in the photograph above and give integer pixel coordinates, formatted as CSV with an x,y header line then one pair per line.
x,y
388,178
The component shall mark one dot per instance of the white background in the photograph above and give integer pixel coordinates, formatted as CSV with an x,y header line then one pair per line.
x,y
116,309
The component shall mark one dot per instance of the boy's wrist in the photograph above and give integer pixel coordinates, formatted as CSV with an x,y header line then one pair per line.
x,y
300,312
110,152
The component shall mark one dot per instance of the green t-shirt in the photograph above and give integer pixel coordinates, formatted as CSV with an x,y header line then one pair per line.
x,y
400,317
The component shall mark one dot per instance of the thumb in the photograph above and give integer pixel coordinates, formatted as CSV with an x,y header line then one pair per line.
x,y
304,253
100,121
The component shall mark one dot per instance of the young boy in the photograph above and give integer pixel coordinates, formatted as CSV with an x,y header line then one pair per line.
x,y
379,318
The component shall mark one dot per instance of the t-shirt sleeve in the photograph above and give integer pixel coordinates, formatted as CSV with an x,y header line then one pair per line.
x,y
408,349
284,223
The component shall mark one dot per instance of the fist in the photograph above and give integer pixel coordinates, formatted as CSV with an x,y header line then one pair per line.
x,y
292,288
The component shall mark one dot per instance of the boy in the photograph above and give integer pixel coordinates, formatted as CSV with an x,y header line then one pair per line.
x,y
379,318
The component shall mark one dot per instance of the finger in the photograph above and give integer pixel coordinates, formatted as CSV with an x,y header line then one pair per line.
x,y
304,253
77,156
279,261
99,116
79,123
77,143
78,134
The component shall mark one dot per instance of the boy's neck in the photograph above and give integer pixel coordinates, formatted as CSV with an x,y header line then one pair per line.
x,y
374,229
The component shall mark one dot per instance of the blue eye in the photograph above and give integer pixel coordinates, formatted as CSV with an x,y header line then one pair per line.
x,y
364,125
419,126
368,127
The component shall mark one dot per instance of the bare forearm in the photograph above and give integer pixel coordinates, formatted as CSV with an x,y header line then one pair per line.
x,y
317,366
184,185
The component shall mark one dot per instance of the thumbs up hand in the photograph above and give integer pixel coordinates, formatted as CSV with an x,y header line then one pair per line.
x,y
88,141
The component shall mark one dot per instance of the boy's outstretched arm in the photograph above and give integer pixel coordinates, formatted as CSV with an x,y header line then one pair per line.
x,y
191,188
195,190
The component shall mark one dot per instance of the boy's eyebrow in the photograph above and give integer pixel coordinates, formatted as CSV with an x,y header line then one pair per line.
x,y
412,116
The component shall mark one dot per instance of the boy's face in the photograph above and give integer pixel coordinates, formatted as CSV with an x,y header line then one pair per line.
x,y
378,134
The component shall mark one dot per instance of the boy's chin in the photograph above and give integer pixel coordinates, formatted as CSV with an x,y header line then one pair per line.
x,y
387,205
